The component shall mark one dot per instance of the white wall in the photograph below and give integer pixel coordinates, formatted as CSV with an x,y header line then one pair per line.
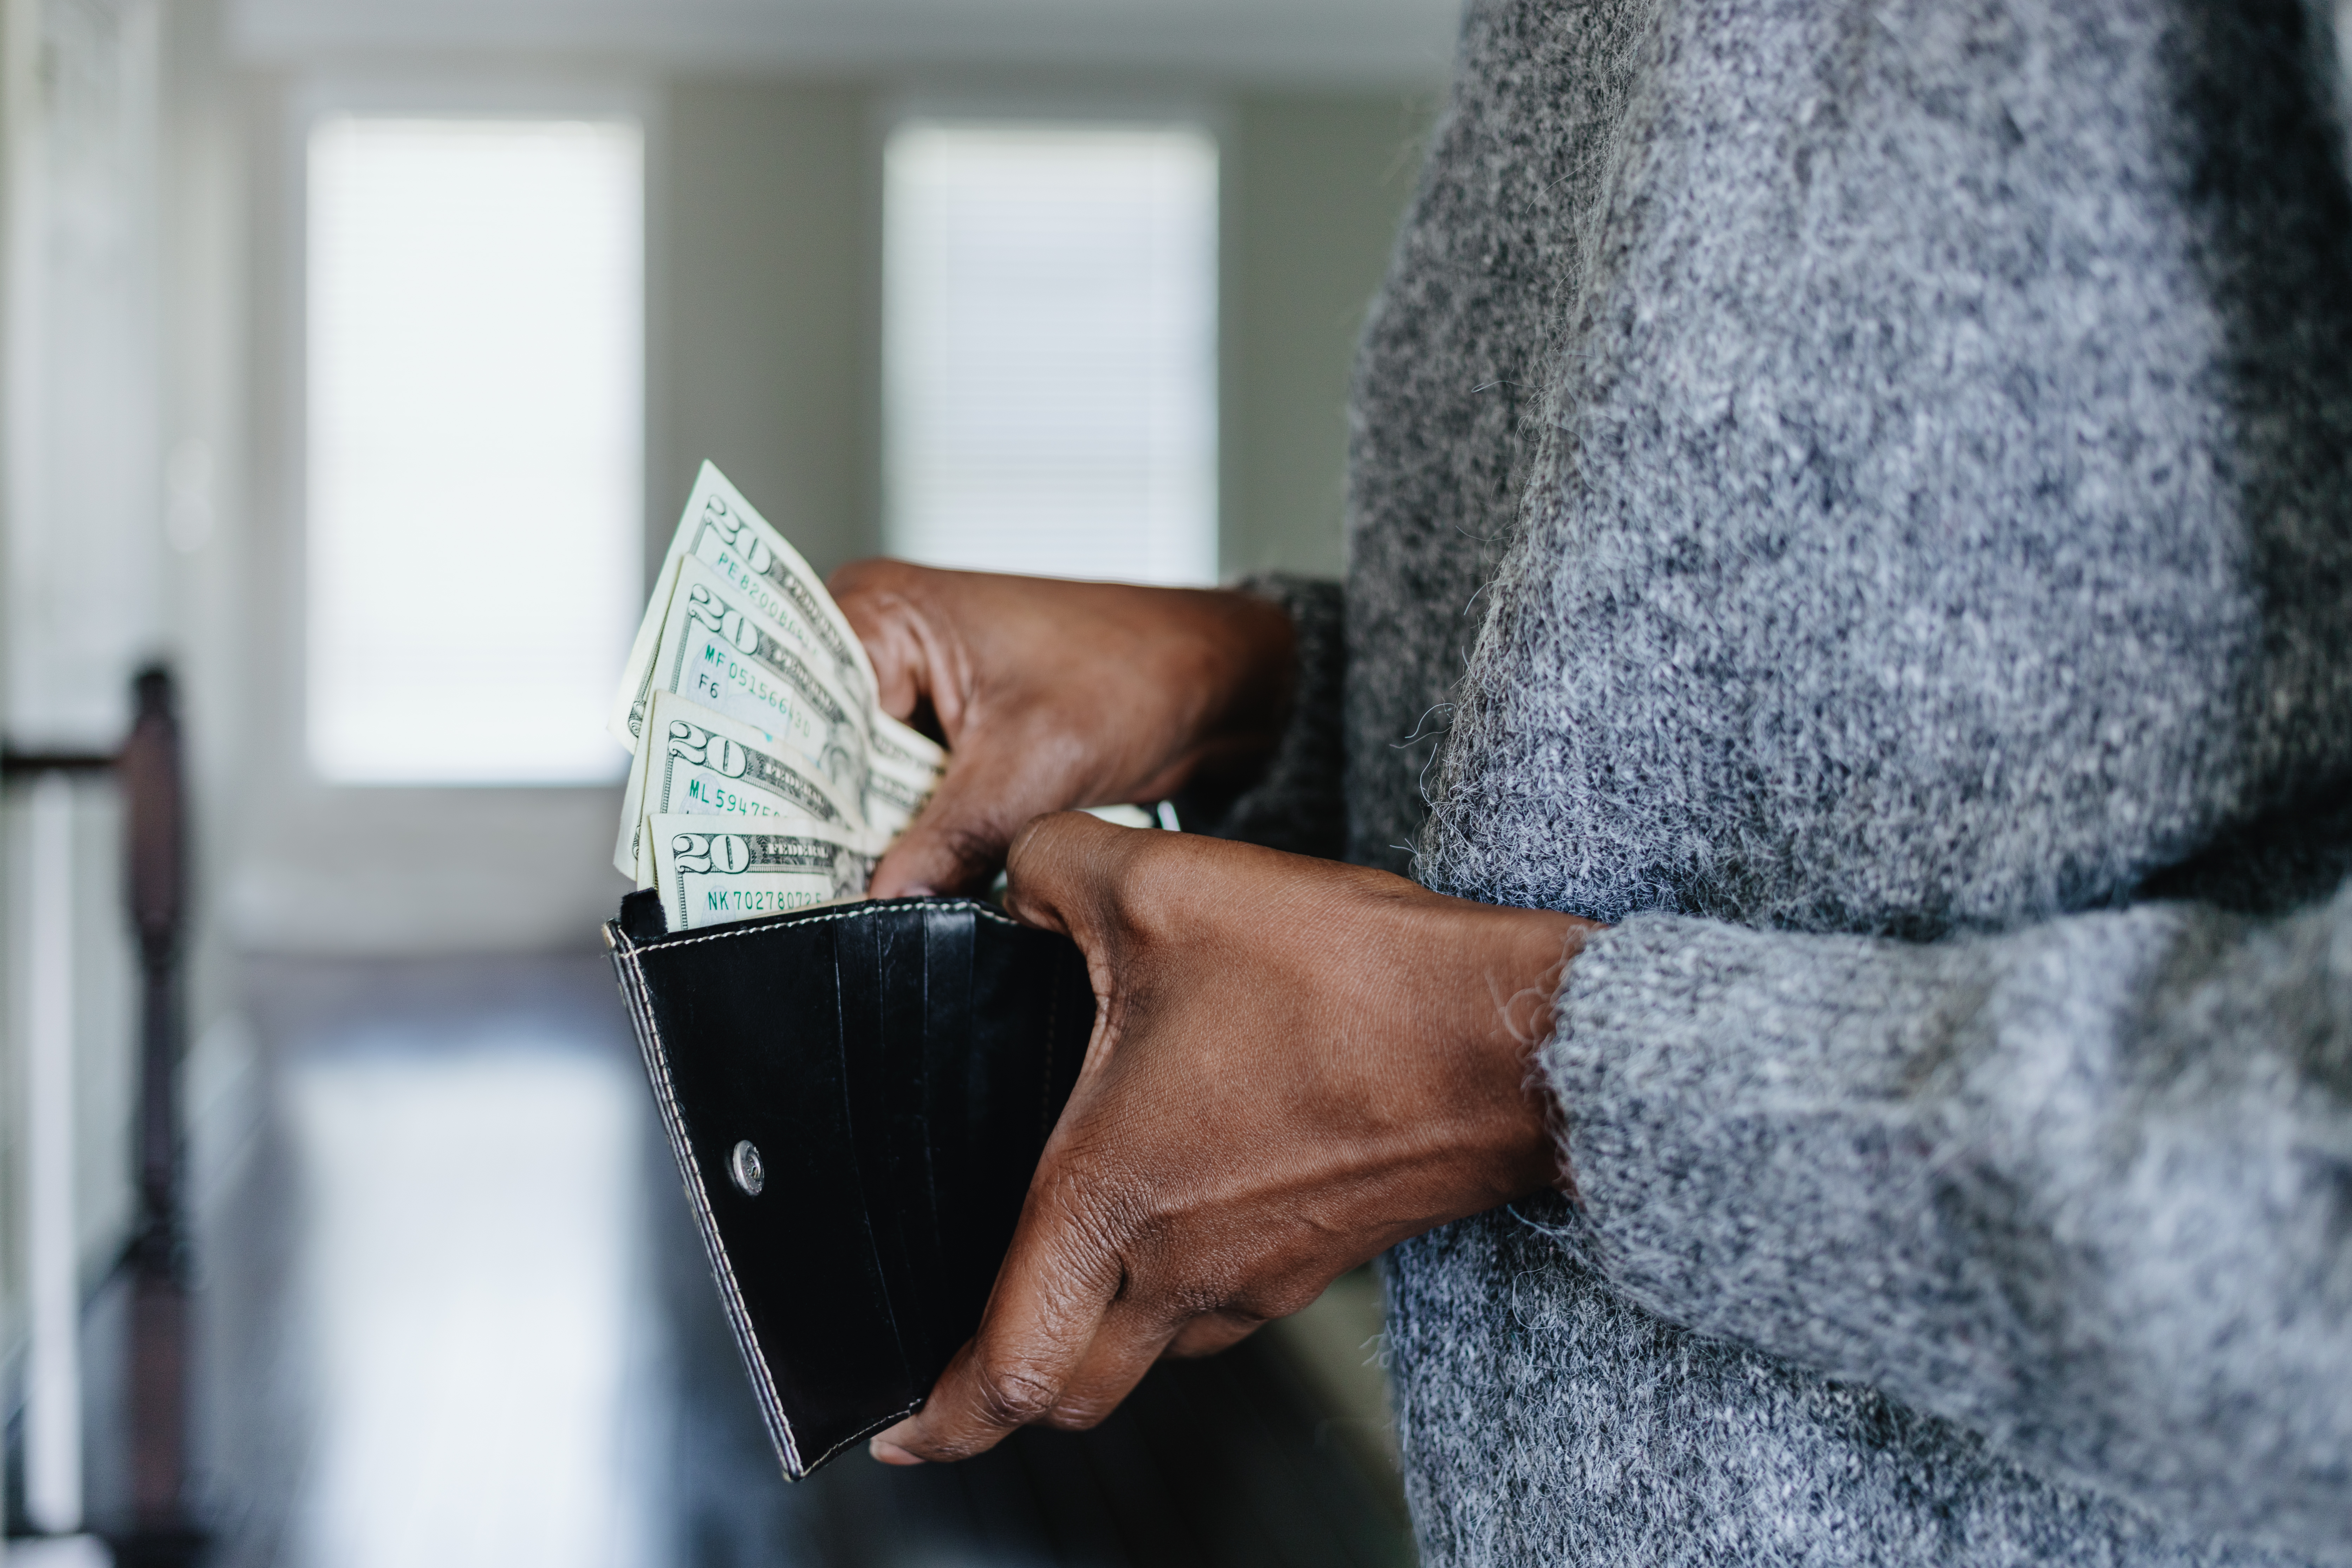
x,y
1289,42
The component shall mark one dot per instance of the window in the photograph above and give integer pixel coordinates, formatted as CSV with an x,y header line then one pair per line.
x,y
1050,327
476,445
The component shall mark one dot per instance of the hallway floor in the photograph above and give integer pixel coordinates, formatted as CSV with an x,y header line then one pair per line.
x,y
453,1315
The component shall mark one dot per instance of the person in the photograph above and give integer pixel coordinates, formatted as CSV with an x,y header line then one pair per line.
x,y
1849,631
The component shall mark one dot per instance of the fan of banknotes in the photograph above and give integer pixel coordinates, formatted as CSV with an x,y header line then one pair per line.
x,y
766,777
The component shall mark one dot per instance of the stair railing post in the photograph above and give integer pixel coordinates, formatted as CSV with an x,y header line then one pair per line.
x,y
153,782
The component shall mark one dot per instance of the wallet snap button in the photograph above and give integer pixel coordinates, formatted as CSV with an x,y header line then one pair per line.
x,y
744,1165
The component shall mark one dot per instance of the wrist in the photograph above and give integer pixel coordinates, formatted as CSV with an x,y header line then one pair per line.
x,y
1460,1002
1255,675
1498,972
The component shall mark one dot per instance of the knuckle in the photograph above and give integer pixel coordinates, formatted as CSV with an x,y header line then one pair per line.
x,y
869,575
949,846
1075,853
1153,887
1039,862
1102,1225
968,842
1080,1414
1014,1393
1207,1335
1109,1210
1276,1299
1053,835
1020,858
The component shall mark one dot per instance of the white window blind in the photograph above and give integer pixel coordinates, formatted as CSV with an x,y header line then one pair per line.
x,y
475,443
1050,327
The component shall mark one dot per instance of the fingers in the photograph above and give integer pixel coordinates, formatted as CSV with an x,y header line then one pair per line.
x,y
1004,769
1057,1281
972,826
1125,1347
954,845
1051,695
885,605
991,789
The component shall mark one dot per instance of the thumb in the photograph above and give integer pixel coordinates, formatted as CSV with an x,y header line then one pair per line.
x,y
960,838
1059,868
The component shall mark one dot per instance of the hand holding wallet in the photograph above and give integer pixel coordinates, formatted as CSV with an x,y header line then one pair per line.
x,y
856,1095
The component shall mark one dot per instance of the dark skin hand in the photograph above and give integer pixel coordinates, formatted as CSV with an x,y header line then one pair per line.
x,y
1295,1064
1053,694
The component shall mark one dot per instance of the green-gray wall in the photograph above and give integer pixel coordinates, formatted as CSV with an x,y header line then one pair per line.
x,y
1313,190
765,322
764,332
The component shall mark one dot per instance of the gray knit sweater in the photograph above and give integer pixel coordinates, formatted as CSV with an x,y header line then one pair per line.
x,y
1859,494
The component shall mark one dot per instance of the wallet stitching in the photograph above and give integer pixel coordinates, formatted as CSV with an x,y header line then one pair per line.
x,y
738,1313
864,1431
664,944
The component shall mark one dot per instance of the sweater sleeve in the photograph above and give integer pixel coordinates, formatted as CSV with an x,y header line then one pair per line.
x,y
1297,802
2086,1188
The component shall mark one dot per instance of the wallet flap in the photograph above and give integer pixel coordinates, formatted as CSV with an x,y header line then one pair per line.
x,y
742,1037
894,1069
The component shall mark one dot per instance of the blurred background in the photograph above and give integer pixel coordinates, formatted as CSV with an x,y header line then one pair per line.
x,y
355,359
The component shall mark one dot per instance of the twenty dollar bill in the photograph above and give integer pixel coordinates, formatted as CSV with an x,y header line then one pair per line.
x,y
902,769
767,576
697,761
708,875
765,776
717,652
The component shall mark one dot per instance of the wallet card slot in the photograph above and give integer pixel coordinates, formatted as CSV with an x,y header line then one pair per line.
x,y
904,960
1031,989
871,969
961,1051
949,1039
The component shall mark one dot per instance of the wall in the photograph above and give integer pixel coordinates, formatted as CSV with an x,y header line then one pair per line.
x,y
766,274
767,321
121,400
1313,191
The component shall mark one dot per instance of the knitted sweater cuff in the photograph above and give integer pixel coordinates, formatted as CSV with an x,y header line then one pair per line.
x,y
2075,1187
1297,802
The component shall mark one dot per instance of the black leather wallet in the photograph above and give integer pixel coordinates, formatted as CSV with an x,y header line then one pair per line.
x,y
856,1095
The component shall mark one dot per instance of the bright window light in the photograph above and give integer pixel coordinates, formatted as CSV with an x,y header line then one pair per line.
x,y
1050,347
476,445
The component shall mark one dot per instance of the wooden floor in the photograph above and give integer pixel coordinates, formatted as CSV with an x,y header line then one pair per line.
x,y
453,1315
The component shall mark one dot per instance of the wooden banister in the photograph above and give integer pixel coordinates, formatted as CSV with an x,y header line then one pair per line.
x,y
151,774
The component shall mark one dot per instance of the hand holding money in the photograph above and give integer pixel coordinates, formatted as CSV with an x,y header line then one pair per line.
x,y
1056,694
750,697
